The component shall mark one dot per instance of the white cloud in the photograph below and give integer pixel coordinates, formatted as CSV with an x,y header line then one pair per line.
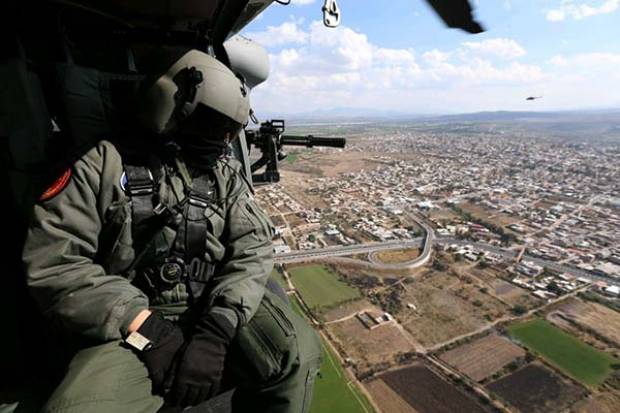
x,y
558,60
588,61
500,47
435,56
286,33
555,15
326,68
581,10
301,2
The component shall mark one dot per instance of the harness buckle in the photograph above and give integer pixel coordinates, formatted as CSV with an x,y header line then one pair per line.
x,y
160,209
199,200
137,186
172,271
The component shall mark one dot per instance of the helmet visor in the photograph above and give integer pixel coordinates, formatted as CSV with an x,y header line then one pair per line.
x,y
207,127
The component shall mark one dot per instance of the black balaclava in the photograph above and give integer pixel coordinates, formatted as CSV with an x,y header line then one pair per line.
x,y
205,136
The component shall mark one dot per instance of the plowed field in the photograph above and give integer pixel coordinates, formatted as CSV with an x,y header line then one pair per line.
x,y
426,392
484,357
535,389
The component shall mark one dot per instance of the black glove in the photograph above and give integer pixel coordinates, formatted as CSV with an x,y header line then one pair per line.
x,y
166,338
200,369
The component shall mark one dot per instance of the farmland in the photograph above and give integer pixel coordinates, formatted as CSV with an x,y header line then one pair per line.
x,y
387,398
514,295
508,292
607,402
483,357
426,392
333,392
481,213
595,317
320,288
347,309
577,359
535,389
368,347
447,306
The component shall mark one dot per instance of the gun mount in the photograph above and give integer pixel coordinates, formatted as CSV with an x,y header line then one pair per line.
x,y
270,139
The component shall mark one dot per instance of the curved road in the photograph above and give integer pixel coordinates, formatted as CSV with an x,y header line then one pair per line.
x,y
338,251
341,251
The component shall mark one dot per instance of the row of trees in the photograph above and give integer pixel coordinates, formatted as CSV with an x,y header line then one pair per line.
x,y
506,238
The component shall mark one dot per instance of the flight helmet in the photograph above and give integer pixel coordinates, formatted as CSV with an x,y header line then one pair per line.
x,y
194,84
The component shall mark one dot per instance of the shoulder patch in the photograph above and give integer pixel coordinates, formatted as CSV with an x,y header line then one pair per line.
x,y
57,186
123,181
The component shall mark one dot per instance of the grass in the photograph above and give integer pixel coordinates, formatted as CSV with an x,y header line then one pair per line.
x,y
581,361
333,392
398,256
296,306
320,288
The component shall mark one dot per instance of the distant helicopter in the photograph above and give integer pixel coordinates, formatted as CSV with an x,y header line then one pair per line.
x,y
533,97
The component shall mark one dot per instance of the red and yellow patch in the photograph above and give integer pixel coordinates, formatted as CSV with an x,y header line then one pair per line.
x,y
57,187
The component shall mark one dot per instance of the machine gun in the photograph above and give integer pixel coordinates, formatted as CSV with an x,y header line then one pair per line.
x,y
270,139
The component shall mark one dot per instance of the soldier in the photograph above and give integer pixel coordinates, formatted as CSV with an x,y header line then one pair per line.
x,y
155,257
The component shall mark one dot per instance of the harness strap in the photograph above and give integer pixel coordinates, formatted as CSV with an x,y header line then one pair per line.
x,y
155,270
191,240
149,216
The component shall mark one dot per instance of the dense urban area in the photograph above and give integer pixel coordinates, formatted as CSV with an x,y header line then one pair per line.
x,y
461,266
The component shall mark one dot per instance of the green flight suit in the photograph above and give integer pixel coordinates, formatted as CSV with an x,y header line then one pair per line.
x,y
80,242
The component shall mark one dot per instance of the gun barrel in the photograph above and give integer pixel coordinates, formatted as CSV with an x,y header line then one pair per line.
x,y
310,141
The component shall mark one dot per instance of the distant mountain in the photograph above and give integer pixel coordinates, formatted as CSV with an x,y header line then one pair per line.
x,y
346,114
579,126
582,126
508,116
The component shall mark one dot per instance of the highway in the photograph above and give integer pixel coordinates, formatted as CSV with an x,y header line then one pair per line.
x,y
297,256
342,250
427,241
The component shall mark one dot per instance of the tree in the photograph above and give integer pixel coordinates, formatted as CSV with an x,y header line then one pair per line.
x,y
440,265
554,288
519,309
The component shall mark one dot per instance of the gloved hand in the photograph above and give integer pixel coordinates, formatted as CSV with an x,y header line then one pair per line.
x,y
166,338
200,369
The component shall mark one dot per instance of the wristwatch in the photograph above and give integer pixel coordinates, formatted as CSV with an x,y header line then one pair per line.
x,y
138,341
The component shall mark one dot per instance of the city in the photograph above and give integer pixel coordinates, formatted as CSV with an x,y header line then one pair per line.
x,y
422,250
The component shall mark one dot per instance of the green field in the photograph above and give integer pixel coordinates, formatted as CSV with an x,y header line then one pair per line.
x,y
579,360
296,305
320,288
333,392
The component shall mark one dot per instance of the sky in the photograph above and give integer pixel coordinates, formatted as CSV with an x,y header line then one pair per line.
x,y
398,56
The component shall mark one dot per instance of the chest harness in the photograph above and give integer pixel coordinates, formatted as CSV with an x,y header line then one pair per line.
x,y
160,264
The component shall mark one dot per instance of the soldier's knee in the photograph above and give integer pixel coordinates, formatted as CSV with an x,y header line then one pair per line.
x,y
277,344
309,345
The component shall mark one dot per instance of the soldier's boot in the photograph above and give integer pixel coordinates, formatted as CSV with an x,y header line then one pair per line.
x,y
276,359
